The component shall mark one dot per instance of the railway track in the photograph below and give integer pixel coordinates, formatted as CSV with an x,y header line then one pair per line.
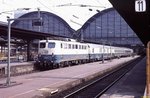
x,y
100,85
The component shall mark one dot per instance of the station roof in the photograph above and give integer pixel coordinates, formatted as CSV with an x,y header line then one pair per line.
x,y
138,19
74,12
23,34
50,23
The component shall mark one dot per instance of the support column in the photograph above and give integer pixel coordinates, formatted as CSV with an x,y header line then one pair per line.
x,y
148,69
1,49
28,50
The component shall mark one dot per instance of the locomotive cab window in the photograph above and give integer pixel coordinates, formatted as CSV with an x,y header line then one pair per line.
x,y
42,45
61,45
51,45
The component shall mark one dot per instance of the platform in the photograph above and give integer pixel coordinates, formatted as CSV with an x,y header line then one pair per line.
x,y
17,64
38,85
17,67
132,85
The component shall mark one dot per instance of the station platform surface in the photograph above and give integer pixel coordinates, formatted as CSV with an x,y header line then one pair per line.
x,y
17,68
132,85
37,85
16,64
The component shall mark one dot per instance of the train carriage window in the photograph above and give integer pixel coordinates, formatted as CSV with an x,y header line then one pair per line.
x,y
61,45
83,47
73,47
76,46
69,46
42,45
51,45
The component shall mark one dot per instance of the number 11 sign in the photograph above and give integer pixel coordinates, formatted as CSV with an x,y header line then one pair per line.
x,y
140,5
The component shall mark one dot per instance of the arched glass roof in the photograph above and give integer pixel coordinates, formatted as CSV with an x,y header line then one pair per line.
x,y
51,24
109,27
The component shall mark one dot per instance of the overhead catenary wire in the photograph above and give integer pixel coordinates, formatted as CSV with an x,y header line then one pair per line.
x,y
45,5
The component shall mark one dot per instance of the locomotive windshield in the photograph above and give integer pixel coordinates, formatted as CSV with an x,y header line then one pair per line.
x,y
42,45
48,45
51,45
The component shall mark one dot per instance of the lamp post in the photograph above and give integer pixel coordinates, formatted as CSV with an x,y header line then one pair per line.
x,y
103,53
9,38
110,51
39,15
8,61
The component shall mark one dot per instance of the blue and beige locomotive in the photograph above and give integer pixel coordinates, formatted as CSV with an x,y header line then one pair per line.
x,y
57,53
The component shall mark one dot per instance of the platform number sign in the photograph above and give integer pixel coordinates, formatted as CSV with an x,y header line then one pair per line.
x,y
140,5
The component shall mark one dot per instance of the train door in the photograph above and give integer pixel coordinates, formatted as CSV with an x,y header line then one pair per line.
x,y
89,53
61,51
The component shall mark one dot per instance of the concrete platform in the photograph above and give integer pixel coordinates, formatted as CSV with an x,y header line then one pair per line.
x,y
17,64
130,86
17,67
39,85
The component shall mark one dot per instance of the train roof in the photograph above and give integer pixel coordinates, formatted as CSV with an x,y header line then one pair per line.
x,y
70,41
73,41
